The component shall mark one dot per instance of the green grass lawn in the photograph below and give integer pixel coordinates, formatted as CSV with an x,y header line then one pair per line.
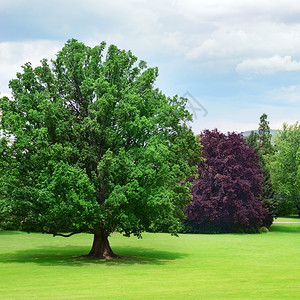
x,y
228,266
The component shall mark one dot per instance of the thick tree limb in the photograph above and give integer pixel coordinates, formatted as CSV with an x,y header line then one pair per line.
x,y
65,235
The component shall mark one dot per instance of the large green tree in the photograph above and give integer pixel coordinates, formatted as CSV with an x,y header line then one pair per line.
x,y
285,168
96,148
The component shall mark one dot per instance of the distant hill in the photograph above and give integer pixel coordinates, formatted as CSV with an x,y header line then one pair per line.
x,y
248,132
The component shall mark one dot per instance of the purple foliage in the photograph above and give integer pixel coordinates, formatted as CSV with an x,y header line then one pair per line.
x,y
227,192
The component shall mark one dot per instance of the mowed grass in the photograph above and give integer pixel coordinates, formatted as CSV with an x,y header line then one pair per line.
x,y
159,266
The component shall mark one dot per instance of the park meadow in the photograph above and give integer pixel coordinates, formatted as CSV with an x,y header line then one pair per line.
x,y
158,266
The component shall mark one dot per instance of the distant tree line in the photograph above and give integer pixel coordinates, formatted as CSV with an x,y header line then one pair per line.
x,y
280,161
243,183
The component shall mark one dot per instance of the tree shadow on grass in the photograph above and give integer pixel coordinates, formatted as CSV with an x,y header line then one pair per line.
x,y
72,256
286,228
7,232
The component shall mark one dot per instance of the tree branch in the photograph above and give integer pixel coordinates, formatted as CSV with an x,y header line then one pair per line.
x,y
74,107
65,235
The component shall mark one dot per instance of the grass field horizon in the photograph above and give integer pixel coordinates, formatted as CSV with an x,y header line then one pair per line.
x,y
159,266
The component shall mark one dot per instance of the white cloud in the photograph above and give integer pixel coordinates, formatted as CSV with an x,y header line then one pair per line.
x,y
234,11
286,94
9,95
226,31
14,54
245,41
230,31
269,65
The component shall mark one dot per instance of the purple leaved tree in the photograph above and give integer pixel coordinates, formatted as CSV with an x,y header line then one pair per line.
x,y
226,194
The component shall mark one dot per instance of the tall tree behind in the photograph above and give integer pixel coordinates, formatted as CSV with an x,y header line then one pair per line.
x,y
264,136
261,142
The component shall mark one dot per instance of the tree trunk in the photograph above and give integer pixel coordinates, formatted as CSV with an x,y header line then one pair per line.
x,y
298,209
101,247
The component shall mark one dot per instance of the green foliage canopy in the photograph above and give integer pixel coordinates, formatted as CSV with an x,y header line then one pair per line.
x,y
285,168
261,142
95,146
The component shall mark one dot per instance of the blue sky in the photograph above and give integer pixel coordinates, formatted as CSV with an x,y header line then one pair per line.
x,y
237,58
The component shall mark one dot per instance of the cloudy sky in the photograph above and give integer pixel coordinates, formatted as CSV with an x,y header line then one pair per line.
x,y
233,59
